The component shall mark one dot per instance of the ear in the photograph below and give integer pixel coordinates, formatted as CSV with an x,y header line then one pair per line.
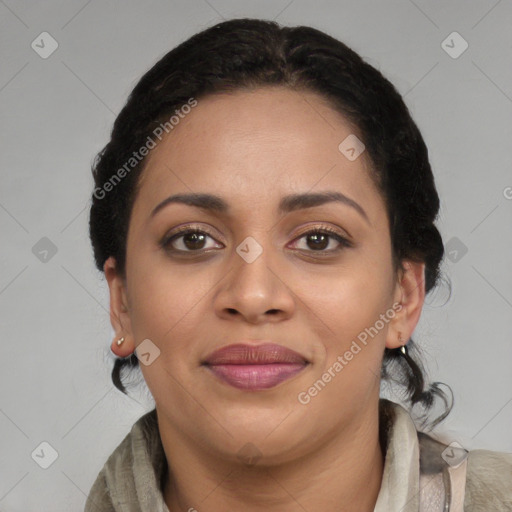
x,y
410,293
119,311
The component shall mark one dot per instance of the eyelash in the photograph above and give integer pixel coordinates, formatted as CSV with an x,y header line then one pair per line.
x,y
344,243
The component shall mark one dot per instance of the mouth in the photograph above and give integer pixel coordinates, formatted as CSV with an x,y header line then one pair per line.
x,y
253,367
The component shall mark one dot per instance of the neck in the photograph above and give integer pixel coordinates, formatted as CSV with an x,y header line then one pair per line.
x,y
340,473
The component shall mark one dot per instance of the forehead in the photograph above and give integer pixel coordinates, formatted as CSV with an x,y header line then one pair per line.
x,y
256,146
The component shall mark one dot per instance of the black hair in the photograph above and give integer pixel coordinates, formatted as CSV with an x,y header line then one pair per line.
x,y
251,53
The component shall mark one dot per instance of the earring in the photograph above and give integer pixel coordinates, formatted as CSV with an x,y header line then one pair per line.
x,y
403,348
119,341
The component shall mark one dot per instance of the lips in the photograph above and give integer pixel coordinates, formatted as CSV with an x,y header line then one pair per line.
x,y
241,353
253,367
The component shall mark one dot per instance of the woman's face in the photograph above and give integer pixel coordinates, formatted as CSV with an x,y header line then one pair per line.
x,y
254,275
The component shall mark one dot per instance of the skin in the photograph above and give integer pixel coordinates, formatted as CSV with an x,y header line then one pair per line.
x,y
252,148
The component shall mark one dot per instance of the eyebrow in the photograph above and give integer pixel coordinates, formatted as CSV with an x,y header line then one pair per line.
x,y
293,202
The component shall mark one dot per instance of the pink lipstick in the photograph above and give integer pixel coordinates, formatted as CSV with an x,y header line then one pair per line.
x,y
253,367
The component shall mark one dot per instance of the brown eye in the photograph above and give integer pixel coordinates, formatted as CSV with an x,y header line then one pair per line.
x,y
318,240
194,241
187,240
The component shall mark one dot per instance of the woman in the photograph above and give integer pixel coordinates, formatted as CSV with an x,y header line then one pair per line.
x,y
264,216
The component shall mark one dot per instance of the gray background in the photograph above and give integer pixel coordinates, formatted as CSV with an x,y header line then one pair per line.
x,y
57,113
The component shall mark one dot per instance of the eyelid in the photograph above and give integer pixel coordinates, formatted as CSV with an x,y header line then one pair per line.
x,y
324,227
312,226
191,227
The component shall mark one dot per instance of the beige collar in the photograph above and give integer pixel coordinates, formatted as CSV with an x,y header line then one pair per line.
x,y
400,479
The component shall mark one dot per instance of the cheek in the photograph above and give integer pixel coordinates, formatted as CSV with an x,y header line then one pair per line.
x,y
352,335
344,311
166,300
347,295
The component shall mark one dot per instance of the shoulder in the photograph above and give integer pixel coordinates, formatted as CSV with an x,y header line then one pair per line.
x,y
99,498
488,478
116,475
488,481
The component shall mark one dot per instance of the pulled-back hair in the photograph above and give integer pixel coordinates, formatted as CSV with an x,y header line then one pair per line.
x,y
250,53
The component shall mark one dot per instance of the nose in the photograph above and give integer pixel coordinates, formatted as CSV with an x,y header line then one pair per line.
x,y
255,292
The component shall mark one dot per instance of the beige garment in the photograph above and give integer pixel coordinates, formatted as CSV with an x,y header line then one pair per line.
x,y
132,478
